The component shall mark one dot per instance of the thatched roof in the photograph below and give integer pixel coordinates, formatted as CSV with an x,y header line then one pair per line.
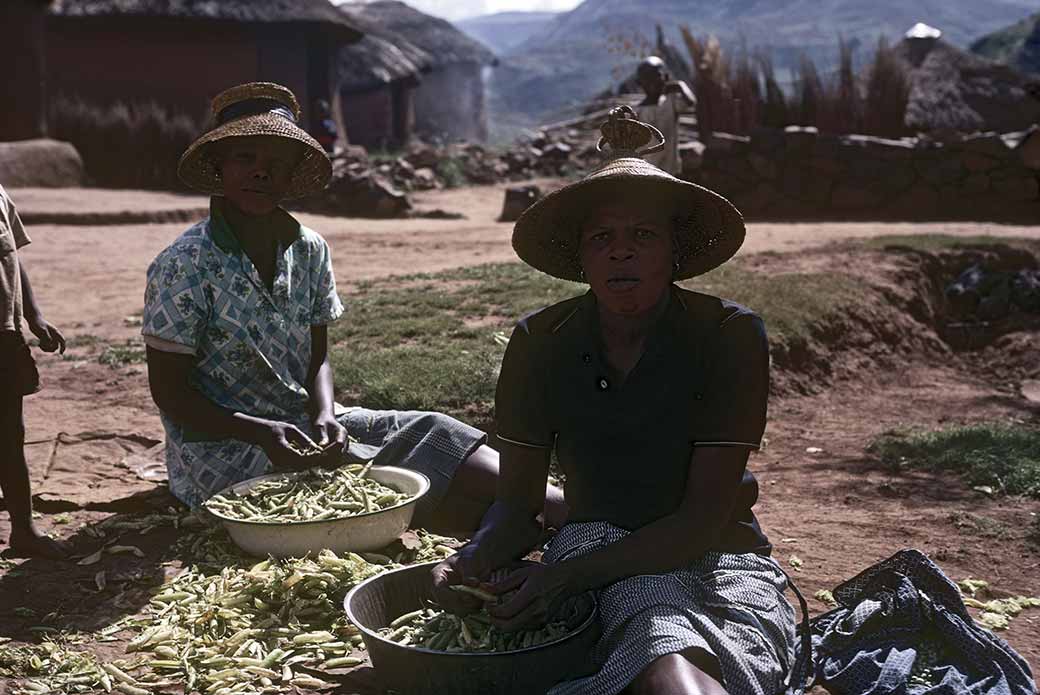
x,y
378,59
952,89
1017,45
314,12
437,37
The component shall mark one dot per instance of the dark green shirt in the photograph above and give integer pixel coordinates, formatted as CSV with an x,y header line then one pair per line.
x,y
625,448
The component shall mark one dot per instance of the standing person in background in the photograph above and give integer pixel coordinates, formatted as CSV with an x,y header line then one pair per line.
x,y
18,378
665,101
324,129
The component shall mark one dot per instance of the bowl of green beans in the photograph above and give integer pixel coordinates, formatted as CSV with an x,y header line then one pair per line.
x,y
416,647
352,508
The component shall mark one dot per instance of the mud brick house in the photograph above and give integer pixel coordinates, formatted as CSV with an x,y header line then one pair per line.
x,y
449,102
378,76
177,53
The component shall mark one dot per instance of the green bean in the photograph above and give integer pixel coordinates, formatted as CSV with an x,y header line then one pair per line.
x,y
317,494
438,630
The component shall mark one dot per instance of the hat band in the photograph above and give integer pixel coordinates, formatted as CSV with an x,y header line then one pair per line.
x,y
254,107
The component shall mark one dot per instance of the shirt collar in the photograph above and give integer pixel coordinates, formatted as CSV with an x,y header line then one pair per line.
x,y
288,228
671,317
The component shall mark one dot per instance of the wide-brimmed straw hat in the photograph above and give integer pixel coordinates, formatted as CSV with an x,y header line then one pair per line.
x,y
708,228
255,108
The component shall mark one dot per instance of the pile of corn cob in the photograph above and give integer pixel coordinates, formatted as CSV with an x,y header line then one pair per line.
x,y
317,494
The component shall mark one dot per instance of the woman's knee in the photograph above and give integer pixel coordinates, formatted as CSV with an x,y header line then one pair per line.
x,y
687,673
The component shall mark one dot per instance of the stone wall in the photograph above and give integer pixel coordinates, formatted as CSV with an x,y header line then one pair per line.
x,y
797,173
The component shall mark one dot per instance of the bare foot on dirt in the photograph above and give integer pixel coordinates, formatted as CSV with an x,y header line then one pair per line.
x,y
32,543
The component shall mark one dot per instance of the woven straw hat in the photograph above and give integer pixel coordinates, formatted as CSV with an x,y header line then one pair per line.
x,y
255,108
708,229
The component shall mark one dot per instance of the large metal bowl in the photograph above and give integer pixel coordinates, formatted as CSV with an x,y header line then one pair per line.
x,y
374,603
368,531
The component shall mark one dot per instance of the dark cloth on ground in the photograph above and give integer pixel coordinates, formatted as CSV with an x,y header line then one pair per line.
x,y
902,628
626,448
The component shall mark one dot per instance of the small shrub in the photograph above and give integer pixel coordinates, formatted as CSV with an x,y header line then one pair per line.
x,y
451,172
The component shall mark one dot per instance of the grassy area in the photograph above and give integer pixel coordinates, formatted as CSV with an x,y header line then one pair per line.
x,y
130,352
435,341
1004,457
944,242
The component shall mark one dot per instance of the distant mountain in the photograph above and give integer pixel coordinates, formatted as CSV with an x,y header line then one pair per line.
x,y
1017,45
504,31
583,51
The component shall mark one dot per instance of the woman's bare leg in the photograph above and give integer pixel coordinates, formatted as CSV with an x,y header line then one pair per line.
x,y
691,672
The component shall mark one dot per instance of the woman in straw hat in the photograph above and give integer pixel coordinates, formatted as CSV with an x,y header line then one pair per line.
x,y
652,398
235,323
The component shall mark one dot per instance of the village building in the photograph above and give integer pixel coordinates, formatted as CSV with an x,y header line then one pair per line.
x,y
176,54
450,101
952,90
378,76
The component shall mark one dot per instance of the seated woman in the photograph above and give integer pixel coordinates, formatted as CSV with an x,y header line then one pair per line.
x,y
652,397
235,323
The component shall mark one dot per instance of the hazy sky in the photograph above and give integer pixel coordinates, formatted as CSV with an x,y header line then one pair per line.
x,y
457,9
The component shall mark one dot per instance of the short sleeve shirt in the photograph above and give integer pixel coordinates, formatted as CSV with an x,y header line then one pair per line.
x,y
626,449
251,345
12,238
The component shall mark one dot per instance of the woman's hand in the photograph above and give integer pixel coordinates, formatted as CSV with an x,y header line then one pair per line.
x,y
330,432
461,568
282,442
541,590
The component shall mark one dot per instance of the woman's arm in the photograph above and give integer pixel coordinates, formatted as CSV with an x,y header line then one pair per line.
x,y
320,387
670,542
509,528
169,381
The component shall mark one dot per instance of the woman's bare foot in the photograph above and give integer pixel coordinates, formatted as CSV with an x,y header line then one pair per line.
x,y
31,543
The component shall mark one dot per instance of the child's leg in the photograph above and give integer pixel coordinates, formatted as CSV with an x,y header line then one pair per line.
x,y
14,482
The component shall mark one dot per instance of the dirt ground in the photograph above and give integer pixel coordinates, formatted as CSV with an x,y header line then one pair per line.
x,y
833,508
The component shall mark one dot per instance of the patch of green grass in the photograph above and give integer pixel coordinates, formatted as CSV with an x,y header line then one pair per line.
x,y
130,352
83,340
789,302
980,525
429,341
944,242
1004,457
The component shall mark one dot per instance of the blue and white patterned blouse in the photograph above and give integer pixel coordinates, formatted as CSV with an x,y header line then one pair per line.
x,y
252,346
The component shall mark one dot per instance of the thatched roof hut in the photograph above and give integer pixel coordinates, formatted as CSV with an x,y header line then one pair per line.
x,y
438,37
377,79
179,53
319,14
954,90
450,101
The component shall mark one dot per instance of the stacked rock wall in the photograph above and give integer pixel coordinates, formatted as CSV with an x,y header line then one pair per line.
x,y
797,173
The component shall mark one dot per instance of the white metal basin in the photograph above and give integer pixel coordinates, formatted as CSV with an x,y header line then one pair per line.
x,y
368,531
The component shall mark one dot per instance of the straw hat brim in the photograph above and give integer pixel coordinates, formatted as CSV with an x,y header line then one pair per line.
x,y
708,231
198,170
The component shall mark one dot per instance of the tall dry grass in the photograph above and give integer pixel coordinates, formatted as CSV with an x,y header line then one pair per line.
x,y
125,145
739,93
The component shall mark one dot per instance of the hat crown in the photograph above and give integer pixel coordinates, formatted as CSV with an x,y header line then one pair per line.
x,y
254,91
626,136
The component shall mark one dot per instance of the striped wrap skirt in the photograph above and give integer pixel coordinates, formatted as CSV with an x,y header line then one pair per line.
x,y
730,605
